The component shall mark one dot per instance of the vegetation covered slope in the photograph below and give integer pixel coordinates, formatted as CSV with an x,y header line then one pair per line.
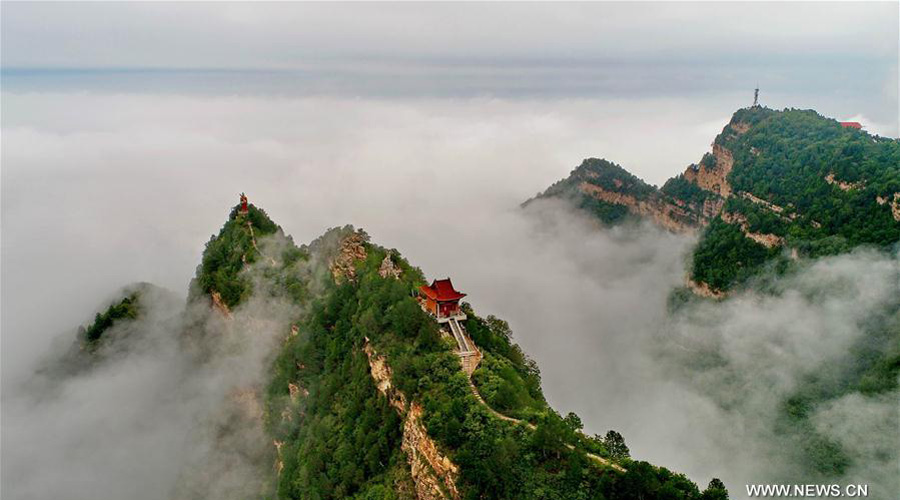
x,y
777,185
799,181
334,427
339,437
125,309
228,252
604,189
778,190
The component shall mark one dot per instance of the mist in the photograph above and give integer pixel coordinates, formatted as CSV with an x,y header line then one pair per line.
x,y
169,406
100,190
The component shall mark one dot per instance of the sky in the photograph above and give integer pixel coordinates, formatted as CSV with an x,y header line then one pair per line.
x,y
128,131
839,58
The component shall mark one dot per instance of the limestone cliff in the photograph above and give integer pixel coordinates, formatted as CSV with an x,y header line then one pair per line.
x,y
352,249
662,212
712,175
434,475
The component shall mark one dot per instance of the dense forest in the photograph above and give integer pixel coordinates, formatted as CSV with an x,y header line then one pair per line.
x,y
604,174
228,252
794,176
786,159
338,436
341,440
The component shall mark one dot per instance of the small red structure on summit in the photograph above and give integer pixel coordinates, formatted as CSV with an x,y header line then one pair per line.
x,y
441,299
855,125
244,208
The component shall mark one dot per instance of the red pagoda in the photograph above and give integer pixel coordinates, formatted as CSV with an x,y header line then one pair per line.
x,y
244,208
441,299
855,125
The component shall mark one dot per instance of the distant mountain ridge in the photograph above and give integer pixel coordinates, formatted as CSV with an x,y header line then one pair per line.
x,y
775,185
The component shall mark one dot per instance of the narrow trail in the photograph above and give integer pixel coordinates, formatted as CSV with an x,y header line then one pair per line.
x,y
255,246
466,348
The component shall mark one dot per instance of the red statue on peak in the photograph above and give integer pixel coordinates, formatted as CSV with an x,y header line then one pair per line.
x,y
244,208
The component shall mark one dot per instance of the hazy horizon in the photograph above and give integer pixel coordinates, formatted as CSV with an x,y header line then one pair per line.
x,y
128,131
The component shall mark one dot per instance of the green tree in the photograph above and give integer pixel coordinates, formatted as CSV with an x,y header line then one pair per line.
x,y
615,445
715,491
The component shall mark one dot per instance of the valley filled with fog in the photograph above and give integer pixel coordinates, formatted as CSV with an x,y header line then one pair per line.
x,y
101,190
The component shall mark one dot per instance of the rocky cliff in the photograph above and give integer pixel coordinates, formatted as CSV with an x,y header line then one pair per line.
x,y
433,473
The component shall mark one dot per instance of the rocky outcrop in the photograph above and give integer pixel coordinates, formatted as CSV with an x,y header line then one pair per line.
x,y
713,178
844,186
768,205
895,204
711,208
219,304
279,462
668,215
767,240
296,392
352,249
388,269
703,290
433,474
740,127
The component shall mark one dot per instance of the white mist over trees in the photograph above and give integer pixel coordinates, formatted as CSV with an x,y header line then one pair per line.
x,y
104,190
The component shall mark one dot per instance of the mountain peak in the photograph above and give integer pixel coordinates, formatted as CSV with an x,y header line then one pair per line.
x,y
218,274
778,180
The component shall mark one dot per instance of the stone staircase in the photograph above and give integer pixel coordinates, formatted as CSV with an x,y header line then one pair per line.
x,y
469,354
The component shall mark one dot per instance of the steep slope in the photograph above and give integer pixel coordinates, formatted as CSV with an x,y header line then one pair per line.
x,y
119,326
331,381
776,185
369,400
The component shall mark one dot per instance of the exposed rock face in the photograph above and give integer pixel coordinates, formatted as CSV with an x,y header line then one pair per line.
x,y
667,215
740,127
713,178
219,304
895,204
704,290
844,186
344,265
767,240
712,207
388,269
296,392
279,462
434,475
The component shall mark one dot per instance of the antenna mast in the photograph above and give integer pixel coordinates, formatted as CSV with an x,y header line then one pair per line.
x,y
756,96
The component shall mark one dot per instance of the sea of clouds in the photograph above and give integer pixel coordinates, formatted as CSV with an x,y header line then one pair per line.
x,y
100,190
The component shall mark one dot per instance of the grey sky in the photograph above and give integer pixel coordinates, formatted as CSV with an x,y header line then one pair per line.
x,y
294,36
842,54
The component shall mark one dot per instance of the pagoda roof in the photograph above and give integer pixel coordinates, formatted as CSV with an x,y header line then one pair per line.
x,y
855,125
441,291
